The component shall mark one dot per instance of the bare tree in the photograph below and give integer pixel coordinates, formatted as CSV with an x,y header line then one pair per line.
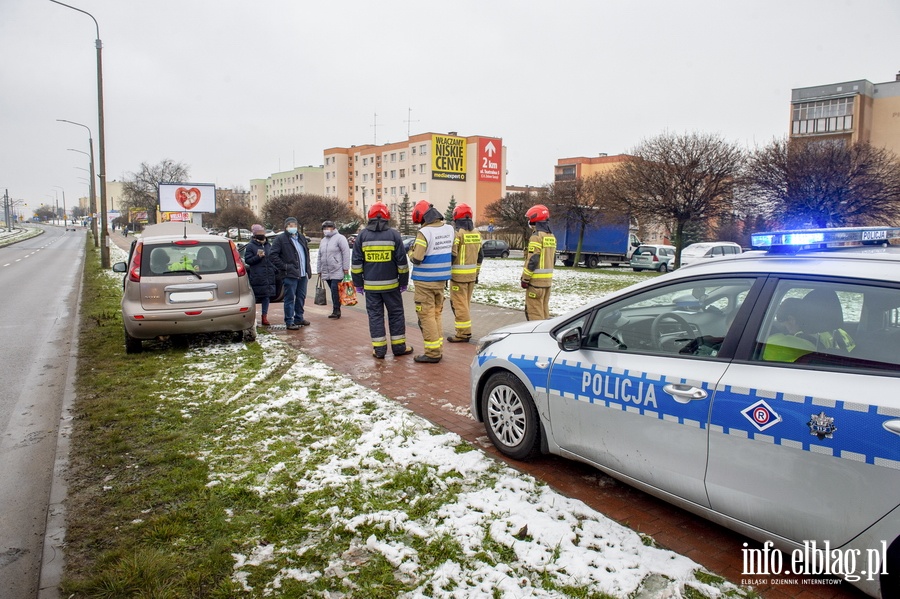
x,y
586,203
680,179
824,183
509,213
238,217
309,210
140,189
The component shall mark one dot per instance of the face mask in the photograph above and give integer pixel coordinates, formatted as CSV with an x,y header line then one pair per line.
x,y
292,230
328,232
260,237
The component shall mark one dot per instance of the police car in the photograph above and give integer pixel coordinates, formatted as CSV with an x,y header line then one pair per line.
x,y
761,391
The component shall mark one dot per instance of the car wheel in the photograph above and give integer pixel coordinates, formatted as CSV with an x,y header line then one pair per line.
x,y
504,254
663,267
250,335
132,345
592,261
510,417
636,269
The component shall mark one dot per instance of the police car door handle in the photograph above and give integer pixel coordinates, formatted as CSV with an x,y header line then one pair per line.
x,y
684,393
892,426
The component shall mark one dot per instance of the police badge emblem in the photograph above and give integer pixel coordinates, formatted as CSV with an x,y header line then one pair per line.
x,y
821,426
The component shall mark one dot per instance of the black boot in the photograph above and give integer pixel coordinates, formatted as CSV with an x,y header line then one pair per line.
x,y
335,314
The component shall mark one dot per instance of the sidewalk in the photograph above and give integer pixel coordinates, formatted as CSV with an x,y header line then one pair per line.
x,y
441,394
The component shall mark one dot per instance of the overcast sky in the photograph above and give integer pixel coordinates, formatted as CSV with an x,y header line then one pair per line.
x,y
238,90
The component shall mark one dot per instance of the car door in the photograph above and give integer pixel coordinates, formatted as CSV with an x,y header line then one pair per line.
x,y
635,397
810,448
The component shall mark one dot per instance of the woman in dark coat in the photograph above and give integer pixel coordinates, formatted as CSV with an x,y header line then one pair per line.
x,y
260,269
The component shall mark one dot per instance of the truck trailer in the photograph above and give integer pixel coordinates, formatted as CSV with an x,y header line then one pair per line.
x,y
611,243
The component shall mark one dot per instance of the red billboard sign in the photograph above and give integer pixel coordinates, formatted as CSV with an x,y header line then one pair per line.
x,y
489,162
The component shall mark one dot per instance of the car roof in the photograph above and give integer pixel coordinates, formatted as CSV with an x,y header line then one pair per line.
x,y
168,231
866,262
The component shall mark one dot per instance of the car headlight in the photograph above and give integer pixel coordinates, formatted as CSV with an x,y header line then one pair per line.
x,y
489,340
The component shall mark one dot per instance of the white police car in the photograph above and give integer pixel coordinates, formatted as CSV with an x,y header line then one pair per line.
x,y
761,391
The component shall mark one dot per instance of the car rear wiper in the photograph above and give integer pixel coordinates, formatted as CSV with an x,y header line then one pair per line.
x,y
187,270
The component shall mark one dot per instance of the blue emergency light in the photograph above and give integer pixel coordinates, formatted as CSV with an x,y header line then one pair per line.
x,y
791,242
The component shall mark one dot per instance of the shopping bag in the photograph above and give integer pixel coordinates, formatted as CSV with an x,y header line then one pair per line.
x,y
320,292
347,293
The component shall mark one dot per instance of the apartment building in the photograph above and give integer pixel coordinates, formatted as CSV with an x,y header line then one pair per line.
x,y
582,167
856,111
427,166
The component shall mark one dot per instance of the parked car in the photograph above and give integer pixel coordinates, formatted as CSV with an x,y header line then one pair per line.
x,y
708,249
180,280
495,248
407,242
660,258
700,387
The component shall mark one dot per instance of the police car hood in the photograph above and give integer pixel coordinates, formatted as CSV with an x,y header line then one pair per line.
x,y
526,327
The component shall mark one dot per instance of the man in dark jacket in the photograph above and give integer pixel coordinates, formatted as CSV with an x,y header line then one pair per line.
x,y
380,270
290,254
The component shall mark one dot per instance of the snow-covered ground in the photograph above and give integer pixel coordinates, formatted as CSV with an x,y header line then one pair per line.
x,y
376,482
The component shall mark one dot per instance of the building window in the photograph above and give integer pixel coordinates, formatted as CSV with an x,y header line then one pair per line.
x,y
365,177
393,156
402,156
422,168
414,168
402,173
413,150
422,187
422,150
393,174
402,189
413,186
365,162
824,116
393,191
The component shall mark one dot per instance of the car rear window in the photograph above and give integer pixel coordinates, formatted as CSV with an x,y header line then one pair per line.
x,y
201,258
646,250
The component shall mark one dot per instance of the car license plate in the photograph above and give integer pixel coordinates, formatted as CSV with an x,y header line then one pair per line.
x,y
183,297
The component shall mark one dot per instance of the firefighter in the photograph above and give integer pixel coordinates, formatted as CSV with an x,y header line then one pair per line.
x,y
464,268
431,254
540,255
379,270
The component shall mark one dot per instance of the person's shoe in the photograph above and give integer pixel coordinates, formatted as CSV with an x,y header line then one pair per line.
x,y
334,315
405,352
455,339
423,359
379,356
293,327
265,320
303,323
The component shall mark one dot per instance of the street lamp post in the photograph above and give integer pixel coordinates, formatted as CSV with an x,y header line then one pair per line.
x,y
65,216
364,201
104,232
93,190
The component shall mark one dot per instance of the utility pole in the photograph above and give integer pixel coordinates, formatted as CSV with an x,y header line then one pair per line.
x,y
408,121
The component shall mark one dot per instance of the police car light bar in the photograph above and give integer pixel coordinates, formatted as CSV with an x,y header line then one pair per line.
x,y
788,242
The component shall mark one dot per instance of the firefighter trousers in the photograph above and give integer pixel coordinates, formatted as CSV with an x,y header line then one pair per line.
x,y
537,303
429,300
460,300
376,303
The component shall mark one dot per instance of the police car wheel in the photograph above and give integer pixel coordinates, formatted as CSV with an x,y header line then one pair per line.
x,y
510,417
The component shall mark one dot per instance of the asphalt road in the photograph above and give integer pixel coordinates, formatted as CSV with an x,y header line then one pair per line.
x,y
40,280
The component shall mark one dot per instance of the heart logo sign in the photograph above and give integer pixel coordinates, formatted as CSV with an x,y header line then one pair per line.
x,y
187,197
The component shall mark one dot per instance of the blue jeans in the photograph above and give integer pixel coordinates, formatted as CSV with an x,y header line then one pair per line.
x,y
294,298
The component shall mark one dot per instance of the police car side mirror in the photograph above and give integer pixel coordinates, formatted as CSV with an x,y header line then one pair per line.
x,y
569,339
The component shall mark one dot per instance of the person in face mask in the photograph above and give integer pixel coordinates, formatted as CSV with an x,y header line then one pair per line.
x,y
333,262
260,269
290,254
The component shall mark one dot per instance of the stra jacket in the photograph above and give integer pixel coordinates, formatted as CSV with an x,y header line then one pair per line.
x,y
540,257
467,254
378,263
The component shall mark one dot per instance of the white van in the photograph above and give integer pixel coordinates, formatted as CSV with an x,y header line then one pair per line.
x,y
708,249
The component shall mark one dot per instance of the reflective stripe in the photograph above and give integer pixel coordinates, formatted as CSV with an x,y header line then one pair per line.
x,y
464,269
380,342
463,325
381,285
434,344
438,242
398,339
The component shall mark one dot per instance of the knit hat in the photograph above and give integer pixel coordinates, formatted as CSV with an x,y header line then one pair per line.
x,y
289,220
328,224
258,230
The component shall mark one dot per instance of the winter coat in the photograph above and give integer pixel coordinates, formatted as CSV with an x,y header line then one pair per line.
x,y
379,263
285,256
334,257
260,270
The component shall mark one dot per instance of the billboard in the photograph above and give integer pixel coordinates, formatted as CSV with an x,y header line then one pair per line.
x,y
489,163
448,158
187,197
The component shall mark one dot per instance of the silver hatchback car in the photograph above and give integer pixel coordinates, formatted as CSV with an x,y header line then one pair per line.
x,y
180,280
759,391
660,258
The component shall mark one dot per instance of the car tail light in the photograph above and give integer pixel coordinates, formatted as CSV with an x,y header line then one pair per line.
x,y
194,313
134,271
187,242
655,258
238,263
